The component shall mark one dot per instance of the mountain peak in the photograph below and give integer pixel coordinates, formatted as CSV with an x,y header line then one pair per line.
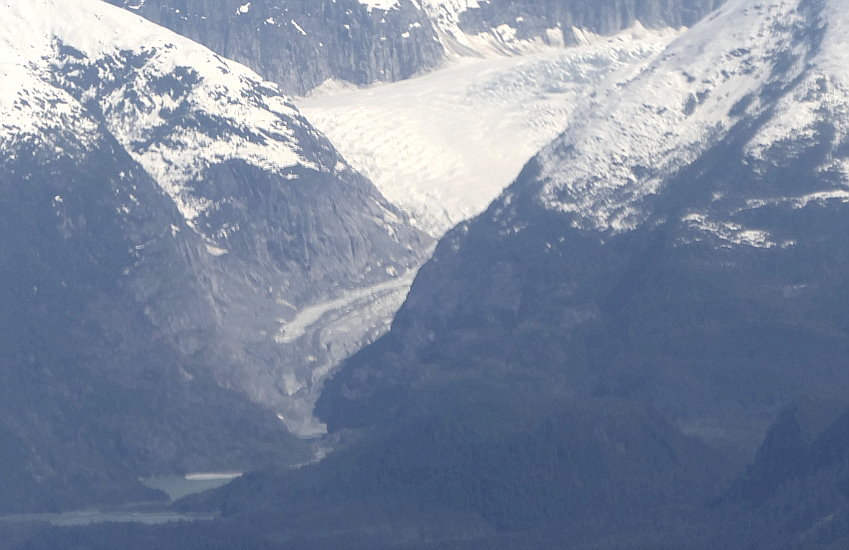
x,y
144,80
749,60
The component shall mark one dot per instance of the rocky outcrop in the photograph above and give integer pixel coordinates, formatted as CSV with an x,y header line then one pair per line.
x,y
508,27
532,19
301,44
795,494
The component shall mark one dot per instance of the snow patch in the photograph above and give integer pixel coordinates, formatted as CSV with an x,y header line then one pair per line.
x,y
446,16
802,201
730,233
215,250
210,476
384,5
35,112
298,27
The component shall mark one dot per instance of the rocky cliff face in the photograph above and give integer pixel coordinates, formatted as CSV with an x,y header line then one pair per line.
x,y
301,44
93,392
512,27
682,243
809,436
532,18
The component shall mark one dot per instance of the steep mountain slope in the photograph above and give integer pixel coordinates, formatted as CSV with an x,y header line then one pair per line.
x,y
301,44
511,27
443,145
702,270
164,211
92,393
809,434
681,243
796,492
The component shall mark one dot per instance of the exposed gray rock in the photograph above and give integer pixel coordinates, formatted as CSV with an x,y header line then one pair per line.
x,y
531,18
300,44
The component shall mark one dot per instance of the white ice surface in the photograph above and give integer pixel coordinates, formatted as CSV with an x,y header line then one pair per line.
x,y
443,145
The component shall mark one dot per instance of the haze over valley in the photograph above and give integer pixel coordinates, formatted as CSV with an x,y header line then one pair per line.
x,y
466,274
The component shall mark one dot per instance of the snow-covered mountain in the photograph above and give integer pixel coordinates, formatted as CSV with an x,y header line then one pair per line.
x,y
779,71
164,212
573,368
300,44
443,145
682,243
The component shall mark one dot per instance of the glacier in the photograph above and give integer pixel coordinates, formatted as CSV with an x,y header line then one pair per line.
x,y
443,145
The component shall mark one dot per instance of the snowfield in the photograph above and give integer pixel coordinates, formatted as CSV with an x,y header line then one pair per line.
x,y
443,145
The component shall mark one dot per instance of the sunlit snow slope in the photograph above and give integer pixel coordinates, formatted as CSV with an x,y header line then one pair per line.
x,y
443,145
615,157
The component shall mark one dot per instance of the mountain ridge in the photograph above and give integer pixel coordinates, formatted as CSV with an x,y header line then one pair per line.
x,y
666,274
